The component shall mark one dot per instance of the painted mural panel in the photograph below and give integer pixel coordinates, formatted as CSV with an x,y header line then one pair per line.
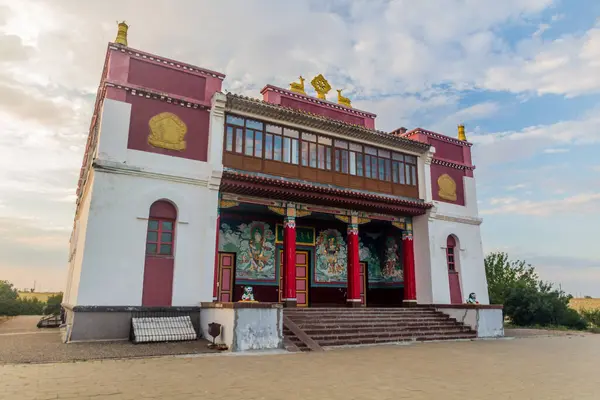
x,y
254,245
383,257
331,257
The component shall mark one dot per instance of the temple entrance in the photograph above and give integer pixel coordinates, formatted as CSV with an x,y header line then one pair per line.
x,y
252,243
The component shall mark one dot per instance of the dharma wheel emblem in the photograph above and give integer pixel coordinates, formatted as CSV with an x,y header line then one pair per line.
x,y
322,87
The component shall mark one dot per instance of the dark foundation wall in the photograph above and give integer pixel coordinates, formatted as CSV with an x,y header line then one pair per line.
x,y
385,297
327,296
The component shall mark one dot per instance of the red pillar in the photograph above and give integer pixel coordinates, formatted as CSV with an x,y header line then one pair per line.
x,y
353,294
410,288
216,273
289,262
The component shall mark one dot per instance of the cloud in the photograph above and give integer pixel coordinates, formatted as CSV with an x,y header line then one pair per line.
x,y
517,186
556,151
580,203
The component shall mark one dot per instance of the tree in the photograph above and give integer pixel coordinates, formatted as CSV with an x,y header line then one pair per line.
x,y
503,275
53,304
8,299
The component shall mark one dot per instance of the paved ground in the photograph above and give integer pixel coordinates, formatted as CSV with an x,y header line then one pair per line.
x,y
22,342
548,368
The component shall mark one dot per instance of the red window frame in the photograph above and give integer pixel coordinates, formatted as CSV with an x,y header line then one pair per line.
x,y
159,242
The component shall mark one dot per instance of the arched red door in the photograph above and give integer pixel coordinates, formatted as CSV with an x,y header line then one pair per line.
x,y
453,277
160,255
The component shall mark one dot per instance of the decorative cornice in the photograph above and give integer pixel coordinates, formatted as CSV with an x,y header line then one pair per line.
x,y
258,108
314,100
165,61
151,94
452,164
455,218
123,169
436,135
287,190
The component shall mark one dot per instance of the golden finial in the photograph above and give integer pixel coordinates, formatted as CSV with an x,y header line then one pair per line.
x,y
122,33
322,87
461,133
343,100
298,87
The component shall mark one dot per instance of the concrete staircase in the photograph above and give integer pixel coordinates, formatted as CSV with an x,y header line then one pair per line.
x,y
326,327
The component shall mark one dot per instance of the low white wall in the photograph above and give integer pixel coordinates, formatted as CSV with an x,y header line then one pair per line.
x,y
487,322
223,316
243,328
258,329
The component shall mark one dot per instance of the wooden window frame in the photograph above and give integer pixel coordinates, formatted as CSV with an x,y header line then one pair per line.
x,y
159,231
409,168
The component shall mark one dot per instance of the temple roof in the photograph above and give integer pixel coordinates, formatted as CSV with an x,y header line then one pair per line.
x,y
261,185
241,103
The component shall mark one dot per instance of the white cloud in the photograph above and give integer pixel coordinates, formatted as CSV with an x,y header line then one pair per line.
x,y
580,203
556,151
517,186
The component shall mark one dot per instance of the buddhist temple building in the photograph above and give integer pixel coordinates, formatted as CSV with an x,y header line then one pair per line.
x,y
189,195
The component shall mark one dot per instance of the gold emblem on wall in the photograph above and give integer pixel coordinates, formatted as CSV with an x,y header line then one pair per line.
x,y
167,131
322,87
447,188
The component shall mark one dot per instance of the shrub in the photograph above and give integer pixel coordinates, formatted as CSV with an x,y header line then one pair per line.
x,y
591,316
53,305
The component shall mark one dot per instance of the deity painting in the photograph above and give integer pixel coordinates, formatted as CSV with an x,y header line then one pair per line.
x,y
331,255
254,245
383,257
392,266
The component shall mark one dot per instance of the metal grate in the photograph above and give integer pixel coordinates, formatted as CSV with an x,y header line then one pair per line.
x,y
164,326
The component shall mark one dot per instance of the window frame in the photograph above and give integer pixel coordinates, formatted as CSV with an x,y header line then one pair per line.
x,y
399,168
159,242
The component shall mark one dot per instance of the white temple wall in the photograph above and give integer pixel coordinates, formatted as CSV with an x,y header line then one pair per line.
x,y
113,264
431,233
121,187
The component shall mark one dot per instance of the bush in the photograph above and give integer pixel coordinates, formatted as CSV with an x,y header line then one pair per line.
x,y
591,316
542,305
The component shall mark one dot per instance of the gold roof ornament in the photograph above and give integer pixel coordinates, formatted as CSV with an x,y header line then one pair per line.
x,y
122,33
167,131
298,87
343,100
322,87
461,133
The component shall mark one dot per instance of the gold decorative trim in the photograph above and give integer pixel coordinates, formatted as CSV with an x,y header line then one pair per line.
x,y
447,188
228,204
362,220
399,225
167,131
343,218
277,210
302,213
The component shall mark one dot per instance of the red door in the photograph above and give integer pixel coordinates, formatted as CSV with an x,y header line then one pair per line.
x,y
363,283
453,277
226,276
302,259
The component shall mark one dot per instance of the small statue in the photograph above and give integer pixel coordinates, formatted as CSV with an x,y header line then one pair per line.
x,y
248,295
472,299
298,87
343,100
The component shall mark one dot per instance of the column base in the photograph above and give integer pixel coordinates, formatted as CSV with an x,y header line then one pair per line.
x,y
290,303
409,303
353,303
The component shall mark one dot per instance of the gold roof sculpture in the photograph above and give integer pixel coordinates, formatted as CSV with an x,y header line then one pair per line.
x,y
461,133
122,33
322,87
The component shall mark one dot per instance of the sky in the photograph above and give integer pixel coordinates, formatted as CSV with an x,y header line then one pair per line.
x,y
522,75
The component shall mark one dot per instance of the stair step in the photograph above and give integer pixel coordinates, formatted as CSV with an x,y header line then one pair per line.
x,y
396,339
360,335
362,331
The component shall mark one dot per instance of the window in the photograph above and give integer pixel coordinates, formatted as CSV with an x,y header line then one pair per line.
x,y
160,236
450,253
254,138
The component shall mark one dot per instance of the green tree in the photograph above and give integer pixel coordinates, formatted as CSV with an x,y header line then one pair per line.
x,y
53,304
8,299
504,275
